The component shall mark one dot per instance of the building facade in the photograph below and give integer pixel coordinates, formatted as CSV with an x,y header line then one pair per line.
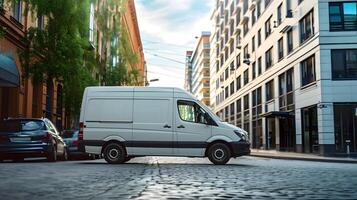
x,y
201,69
103,45
286,71
188,71
19,97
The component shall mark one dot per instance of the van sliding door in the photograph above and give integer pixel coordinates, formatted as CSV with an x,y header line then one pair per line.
x,y
152,126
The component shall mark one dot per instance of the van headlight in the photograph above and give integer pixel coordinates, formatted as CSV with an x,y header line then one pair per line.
x,y
241,135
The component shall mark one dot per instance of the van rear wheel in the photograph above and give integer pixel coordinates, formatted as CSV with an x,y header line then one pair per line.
x,y
219,154
114,153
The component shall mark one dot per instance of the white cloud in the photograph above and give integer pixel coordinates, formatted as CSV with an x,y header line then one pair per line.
x,y
164,24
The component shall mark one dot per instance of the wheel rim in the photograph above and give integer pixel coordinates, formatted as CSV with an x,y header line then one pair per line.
x,y
219,154
113,154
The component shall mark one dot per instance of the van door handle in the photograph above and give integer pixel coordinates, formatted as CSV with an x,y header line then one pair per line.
x,y
181,126
167,126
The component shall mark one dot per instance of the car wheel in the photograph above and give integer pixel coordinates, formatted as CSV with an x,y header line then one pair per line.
x,y
219,154
114,153
65,155
52,155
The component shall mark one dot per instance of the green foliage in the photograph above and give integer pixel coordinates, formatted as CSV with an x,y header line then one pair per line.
x,y
57,51
117,72
2,32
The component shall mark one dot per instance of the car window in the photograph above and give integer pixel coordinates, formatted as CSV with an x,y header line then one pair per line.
x,y
21,125
191,112
69,134
50,126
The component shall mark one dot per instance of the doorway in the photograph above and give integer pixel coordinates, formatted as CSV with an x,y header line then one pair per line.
x,y
310,133
270,136
287,133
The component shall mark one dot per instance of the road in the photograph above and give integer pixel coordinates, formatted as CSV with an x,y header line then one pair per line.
x,y
178,178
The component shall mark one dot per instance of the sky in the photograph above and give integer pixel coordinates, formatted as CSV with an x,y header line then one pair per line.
x,y
168,29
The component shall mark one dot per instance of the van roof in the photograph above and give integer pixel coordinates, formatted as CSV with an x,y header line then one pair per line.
x,y
178,91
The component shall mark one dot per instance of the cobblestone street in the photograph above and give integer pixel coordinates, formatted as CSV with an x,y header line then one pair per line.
x,y
170,178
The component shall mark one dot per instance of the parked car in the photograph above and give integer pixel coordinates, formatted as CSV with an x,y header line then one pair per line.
x,y
125,122
24,138
70,137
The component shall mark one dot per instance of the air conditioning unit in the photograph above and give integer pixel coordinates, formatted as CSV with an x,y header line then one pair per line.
x,y
246,61
289,14
239,46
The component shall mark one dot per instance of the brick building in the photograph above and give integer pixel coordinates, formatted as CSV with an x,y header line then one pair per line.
x,y
18,96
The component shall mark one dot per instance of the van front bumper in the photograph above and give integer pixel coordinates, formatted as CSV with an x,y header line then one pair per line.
x,y
241,148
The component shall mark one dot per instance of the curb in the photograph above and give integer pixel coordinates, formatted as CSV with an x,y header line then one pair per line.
x,y
305,159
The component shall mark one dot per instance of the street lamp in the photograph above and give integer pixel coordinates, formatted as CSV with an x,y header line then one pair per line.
x,y
154,80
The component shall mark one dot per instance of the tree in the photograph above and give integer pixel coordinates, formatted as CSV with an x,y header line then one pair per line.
x,y
57,50
121,56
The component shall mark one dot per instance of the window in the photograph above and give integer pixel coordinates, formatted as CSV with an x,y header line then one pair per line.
x,y
343,16
269,58
245,6
259,9
286,91
226,54
345,124
290,41
299,1
246,52
231,118
231,47
245,28
253,71
281,49
239,113
226,114
232,88
246,112
238,83
269,90
279,16
226,92
238,61
253,43
246,77
308,71
256,119
259,37
17,10
231,67
1,4
306,26
267,2
226,74
253,17
259,66
268,27
91,23
40,22
344,64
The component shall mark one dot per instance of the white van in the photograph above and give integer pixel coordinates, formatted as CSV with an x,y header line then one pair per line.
x,y
125,122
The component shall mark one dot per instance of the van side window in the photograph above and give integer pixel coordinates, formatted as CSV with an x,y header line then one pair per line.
x,y
191,112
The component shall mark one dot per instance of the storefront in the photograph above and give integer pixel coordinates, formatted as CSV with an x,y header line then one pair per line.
x,y
9,82
345,121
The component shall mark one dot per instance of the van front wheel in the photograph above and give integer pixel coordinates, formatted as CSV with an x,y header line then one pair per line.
x,y
219,154
114,153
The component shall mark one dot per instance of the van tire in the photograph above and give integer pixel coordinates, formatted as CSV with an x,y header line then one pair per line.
x,y
114,153
219,153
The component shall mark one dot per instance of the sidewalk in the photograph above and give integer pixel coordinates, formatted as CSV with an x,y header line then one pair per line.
x,y
299,156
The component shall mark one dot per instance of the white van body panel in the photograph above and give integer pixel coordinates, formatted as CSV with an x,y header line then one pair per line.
x,y
147,121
